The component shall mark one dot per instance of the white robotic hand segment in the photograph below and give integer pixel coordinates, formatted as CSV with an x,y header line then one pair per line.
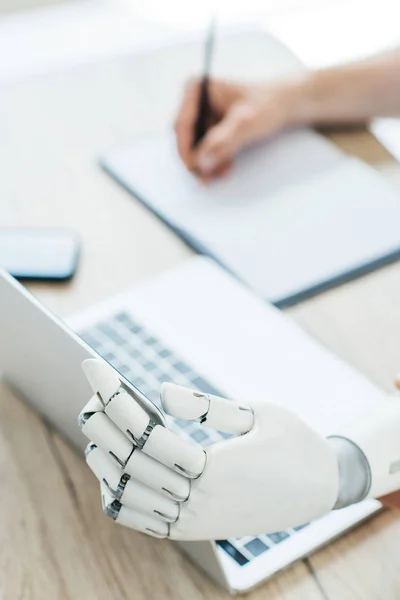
x,y
279,473
372,453
209,410
123,515
127,415
103,380
129,491
141,468
122,415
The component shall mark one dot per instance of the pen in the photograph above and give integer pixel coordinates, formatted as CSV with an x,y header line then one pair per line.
x,y
205,113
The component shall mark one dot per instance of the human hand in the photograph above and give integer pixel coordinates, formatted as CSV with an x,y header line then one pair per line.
x,y
242,114
157,482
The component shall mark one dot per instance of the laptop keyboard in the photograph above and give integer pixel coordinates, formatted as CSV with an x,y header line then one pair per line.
x,y
146,362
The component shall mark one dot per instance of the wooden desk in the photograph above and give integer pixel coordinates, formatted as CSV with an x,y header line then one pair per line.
x,y
52,532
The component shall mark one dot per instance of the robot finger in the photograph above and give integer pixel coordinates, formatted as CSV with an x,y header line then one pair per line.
x,y
129,417
106,470
150,524
105,434
141,467
158,477
139,497
93,406
212,411
103,379
128,491
121,408
181,455
156,441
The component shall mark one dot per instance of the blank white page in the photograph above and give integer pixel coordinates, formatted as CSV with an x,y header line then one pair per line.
x,y
294,214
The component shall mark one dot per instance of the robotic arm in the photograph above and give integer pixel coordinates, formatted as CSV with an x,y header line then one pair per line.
x,y
275,474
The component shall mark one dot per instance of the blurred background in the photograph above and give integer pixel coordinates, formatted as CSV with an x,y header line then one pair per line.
x,y
38,35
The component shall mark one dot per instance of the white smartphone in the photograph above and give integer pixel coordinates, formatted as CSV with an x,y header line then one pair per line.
x,y
47,254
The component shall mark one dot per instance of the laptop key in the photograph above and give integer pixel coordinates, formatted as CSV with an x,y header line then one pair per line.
x,y
181,367
109,357
139,383
199,436
233,552
149,366
278,537
90,340
134,352
111,333
182,424
198,383
123,318
256,547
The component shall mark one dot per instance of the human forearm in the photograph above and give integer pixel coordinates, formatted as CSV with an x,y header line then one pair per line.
x,y
349,94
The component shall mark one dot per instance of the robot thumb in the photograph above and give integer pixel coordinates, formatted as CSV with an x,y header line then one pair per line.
x,y
211,411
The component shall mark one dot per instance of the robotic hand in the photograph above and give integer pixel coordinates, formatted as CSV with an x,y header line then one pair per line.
x,y
275,474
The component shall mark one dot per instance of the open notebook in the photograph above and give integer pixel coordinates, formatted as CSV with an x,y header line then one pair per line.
x,y
295,216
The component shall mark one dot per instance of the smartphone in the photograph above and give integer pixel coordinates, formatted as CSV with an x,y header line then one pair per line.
x,y
47,254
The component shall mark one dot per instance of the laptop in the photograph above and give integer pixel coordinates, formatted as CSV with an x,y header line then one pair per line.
x,y
197,326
